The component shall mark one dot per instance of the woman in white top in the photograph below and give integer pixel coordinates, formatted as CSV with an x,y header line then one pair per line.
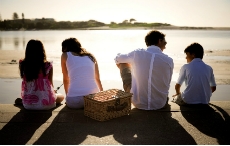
x,y
80,73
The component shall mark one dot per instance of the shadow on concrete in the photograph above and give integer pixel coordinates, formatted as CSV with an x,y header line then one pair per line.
x,y
140,127
152,128
22,126
69,127
208,121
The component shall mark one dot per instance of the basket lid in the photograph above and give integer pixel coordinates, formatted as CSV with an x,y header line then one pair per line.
x,y
108,95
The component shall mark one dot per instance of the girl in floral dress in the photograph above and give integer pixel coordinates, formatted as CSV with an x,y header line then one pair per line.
x,y
37,79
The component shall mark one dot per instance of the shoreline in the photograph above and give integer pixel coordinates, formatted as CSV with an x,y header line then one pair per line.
x,y
221,67
135,28
10,82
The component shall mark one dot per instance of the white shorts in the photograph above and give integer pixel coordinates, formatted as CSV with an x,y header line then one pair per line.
x,y
75,102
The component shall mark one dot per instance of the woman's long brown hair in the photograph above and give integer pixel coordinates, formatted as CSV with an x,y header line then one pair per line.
x,y
73,45
34,61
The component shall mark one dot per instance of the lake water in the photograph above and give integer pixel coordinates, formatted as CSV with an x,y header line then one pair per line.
x,y
105,44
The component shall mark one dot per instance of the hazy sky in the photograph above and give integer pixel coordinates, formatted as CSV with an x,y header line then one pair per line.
x,y
213,13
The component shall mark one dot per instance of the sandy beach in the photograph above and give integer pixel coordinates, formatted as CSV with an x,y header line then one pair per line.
x,y
10,81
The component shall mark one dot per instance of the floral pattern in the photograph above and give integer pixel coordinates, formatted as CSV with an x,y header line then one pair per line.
x,y
38,93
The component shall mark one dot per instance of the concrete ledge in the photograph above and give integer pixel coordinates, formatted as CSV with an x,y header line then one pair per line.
x,y
172,125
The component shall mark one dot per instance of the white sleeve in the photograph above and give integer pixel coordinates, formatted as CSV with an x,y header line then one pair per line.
x,y
124,58
212,79
171,70
182,75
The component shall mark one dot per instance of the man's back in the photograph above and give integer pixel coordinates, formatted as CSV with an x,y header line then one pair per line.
x,y
151,72
151,77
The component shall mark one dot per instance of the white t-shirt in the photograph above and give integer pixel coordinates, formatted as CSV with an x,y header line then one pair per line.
x,y
198,78
81,72
151,76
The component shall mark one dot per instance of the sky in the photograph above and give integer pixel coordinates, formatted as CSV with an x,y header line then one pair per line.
x,y
197,13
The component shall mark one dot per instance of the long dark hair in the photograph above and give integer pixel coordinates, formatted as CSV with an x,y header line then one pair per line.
x,y
34,61
73,45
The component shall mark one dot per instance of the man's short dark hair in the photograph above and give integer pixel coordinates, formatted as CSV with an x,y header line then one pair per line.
x,y
153,37
196,49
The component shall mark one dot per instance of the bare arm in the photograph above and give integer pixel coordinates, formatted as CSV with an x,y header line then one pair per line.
x,y
213,88
123,65
65,72
97,77
177,88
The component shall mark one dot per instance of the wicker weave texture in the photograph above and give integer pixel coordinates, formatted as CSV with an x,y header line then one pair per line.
x,y
106,105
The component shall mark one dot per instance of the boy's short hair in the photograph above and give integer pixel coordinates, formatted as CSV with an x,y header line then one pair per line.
x,y
196,49
153,37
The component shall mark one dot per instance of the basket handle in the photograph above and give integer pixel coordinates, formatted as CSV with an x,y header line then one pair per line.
x,y
117,106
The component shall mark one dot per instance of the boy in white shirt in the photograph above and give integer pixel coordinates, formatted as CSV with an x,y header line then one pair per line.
x,y
198,77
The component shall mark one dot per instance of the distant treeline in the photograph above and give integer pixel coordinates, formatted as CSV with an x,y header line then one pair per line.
x,y
137,24
49,23
40,24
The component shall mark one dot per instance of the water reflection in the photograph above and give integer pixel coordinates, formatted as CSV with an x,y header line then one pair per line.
x,y
0,43
16,43
23,42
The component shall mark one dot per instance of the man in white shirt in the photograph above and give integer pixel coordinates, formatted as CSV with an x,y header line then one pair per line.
x,y
151,72
198,77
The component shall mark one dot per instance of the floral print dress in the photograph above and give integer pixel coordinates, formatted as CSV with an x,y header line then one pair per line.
x,y
38,94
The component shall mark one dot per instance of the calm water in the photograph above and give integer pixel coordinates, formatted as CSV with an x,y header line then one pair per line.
x,y
105,44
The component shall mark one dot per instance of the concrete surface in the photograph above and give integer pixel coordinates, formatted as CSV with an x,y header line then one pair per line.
x,y
190,125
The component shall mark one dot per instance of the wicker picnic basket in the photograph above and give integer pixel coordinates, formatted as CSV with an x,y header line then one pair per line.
x,y
106,105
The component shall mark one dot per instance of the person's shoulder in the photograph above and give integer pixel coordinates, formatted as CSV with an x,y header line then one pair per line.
x,y
139,50
21,60
166,57
169,58
208,66
64,53
48,64
185,66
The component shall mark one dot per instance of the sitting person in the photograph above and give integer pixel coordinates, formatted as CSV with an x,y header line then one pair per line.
x,y
37,79
198,77
147,73
80,73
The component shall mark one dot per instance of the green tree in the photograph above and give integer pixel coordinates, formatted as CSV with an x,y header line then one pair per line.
x,y
15,16
131,20
23,21
113,23
22,15
125,21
